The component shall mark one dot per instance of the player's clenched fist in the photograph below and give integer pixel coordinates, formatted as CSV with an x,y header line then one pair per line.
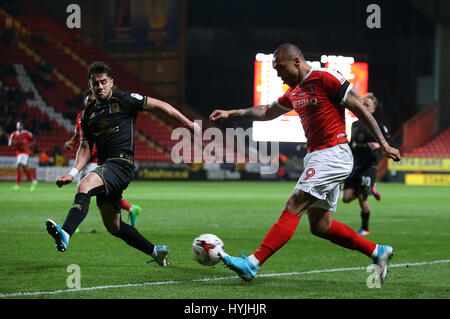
x,y
69,145
392,152
218,114
64,179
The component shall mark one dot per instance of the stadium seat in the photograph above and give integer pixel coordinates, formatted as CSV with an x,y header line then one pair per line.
x,y
437,147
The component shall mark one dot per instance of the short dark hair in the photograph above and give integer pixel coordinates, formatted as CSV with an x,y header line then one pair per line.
x,y
289,50
99,68
85,95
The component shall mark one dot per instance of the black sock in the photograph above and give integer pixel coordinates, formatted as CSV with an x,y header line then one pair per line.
x,y
77,213
365,220
132,237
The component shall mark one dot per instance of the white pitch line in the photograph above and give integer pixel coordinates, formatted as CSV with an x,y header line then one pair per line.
x,y
54,292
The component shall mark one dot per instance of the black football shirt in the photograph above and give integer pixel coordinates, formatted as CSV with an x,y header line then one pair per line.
x,y
111,125
362,154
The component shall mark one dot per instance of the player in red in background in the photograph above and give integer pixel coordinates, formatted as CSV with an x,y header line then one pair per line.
x,y
23,140
133,210
320,97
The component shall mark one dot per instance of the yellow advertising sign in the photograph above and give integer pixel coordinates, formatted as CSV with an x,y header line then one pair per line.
x,y
420,164
9,173
427,179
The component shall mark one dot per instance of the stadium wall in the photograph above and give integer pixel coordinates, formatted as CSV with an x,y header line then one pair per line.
x,y
148,171
419,129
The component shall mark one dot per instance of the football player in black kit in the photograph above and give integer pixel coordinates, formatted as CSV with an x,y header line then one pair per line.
x,y
361,182
109,121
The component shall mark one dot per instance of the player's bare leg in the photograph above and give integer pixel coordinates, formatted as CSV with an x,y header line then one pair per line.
x,y
348,195
363,202
320,221
89,182
112,220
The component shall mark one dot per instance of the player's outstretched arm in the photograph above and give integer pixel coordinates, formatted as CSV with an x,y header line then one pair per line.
x,y
12,141
83,157
354,103
259,113
158,105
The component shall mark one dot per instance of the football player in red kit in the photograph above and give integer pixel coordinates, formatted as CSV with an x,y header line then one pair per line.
x,y
361,182
23,141
320,97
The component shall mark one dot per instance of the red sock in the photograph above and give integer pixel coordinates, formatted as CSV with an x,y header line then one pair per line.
x,y
18,177
29,176
126,205
278,235
344,236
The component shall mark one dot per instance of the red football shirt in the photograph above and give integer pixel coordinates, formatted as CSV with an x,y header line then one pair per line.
x,y
318,99
22,139
94,158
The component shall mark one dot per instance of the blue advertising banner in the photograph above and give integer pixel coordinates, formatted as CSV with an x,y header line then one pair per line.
x,y
140,23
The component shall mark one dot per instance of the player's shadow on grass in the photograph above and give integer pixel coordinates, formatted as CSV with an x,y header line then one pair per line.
x,y
204,272
33,268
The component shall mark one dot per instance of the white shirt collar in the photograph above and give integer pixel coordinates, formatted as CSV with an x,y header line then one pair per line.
x,y
307,75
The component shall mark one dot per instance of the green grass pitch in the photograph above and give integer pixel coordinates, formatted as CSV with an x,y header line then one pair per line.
x,y
414,220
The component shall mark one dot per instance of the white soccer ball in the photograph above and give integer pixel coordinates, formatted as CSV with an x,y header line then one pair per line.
x,y
206,249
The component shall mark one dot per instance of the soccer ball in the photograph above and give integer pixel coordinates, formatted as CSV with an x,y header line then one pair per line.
x,y
206,249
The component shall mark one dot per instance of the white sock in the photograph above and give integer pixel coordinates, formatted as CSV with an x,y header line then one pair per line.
x,y
254,260
375,252
222,253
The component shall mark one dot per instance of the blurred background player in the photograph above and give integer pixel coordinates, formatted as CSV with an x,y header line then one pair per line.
x,y
133,210
361,182
23,141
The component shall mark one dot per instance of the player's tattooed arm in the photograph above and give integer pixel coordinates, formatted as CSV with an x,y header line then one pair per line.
x,y
164,107
354,103
265,112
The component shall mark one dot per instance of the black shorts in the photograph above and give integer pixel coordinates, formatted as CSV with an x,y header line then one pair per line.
x,y
116,175
362,180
